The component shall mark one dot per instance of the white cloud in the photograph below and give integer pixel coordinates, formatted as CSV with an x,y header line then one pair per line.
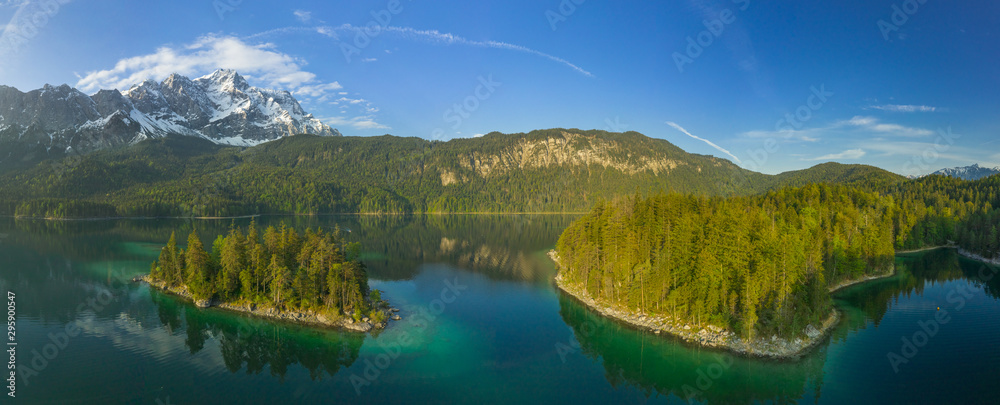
x,y
862,121
717,147
874,125
318,90
302,15
904,108
369,59
208,53
262,65
360,122
852,154
805,135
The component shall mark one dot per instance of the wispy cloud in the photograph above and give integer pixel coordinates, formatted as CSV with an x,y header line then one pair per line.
x,y
804,135
911,149
717,147
904,108
302,15
429,36
852,154
874,125
362,122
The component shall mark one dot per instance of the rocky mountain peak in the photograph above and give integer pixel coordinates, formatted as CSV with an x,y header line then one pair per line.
x,y
222,107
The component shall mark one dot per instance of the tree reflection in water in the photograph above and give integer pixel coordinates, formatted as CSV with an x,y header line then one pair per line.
x,y
253,344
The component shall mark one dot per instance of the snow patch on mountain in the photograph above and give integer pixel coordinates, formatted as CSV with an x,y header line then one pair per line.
x,y
221,107
974,172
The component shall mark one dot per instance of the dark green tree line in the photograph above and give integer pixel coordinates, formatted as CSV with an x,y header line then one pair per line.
x,y
280,268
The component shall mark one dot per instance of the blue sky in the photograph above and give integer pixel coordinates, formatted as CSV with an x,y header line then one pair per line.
x,y
908,86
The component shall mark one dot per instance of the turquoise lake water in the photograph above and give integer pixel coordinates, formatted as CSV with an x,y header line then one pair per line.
x,y
482,323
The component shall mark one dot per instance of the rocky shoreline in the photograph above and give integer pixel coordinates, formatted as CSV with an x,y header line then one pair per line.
x,y
973,256
302,317
710,336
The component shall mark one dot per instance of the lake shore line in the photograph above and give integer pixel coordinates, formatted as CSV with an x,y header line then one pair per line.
x,y
969,255
300,317
711,336
962,252
847,283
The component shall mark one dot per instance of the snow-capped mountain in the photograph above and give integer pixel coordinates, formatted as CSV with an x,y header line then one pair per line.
x,y
974,172
221,107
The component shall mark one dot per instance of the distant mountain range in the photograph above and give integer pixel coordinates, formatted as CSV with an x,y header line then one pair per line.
x,y
974,172
555,170
221,107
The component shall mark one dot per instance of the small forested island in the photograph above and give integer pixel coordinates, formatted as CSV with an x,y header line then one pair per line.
x,y
755,274
314,277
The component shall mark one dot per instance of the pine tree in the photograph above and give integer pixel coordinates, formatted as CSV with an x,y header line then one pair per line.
x,y
197,269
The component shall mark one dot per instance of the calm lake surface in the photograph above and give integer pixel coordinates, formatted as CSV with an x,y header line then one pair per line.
x,y
483,323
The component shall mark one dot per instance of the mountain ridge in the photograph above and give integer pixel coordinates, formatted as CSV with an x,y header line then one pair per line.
x,y
973,172
555,170
221,107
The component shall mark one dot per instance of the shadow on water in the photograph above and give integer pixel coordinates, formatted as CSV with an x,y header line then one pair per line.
x,y
253,345
661,365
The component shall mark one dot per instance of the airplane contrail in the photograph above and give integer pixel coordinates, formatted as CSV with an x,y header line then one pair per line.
x,y
717,147
432,36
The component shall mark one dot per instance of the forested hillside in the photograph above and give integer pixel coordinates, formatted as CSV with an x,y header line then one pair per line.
x,y
543,171
762,265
